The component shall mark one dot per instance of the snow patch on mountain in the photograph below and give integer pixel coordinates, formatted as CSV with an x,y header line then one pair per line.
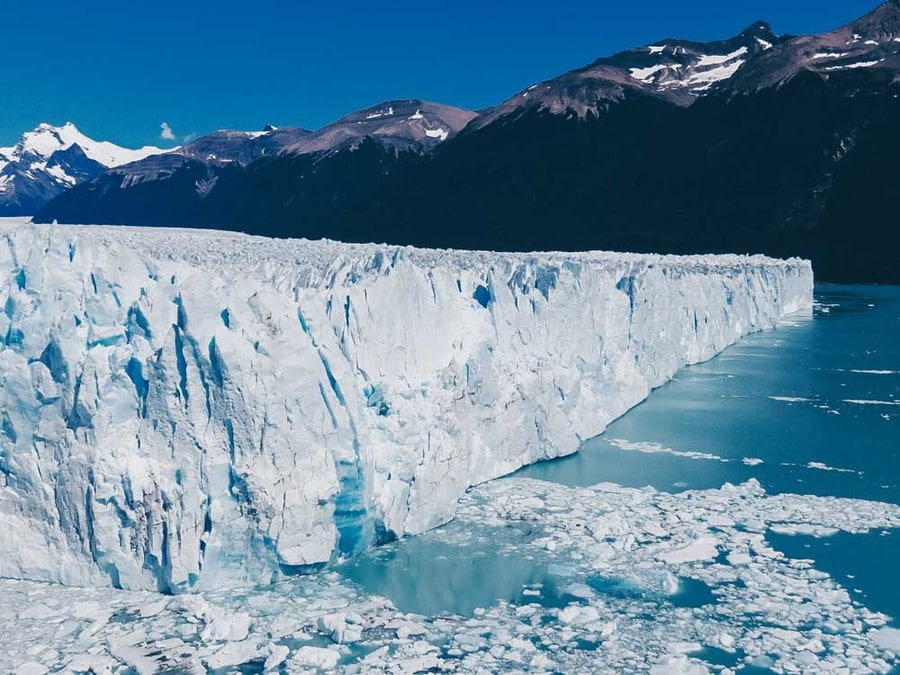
x,y
708,78
857,64
718,59
830,55
441,134
646,74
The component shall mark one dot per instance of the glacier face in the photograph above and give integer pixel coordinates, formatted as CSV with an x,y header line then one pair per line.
x,y
181,409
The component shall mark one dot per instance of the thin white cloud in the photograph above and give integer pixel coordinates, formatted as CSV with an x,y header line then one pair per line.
x,y
166,132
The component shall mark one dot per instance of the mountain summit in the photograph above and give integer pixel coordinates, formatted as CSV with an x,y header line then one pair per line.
x,y
48,160
870,42
678,71
409,124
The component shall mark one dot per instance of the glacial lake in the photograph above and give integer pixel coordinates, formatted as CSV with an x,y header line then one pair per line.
x,y
812,407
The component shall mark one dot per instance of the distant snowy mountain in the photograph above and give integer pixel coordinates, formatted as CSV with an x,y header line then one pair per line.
x,y
49,160
243,172
397,126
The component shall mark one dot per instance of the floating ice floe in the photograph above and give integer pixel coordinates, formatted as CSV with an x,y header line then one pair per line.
x,y
651,448
821,466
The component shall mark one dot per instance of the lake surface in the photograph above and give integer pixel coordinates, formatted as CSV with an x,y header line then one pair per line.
x,y
812,407
817,401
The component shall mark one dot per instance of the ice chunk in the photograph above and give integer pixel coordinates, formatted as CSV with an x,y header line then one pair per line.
x,y
316,657
887,638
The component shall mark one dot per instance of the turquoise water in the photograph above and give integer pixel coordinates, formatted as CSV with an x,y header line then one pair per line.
x,y
432,577
779,407
725,407
865,564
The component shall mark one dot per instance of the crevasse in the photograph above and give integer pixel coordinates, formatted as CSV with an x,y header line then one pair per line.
x,y
184,408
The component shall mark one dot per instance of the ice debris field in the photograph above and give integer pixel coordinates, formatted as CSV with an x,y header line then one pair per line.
x,y
645,582
208,414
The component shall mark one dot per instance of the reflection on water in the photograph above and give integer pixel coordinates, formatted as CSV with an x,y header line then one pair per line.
x,y
679,591
427,576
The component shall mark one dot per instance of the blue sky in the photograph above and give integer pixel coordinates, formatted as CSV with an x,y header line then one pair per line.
x,y
120,69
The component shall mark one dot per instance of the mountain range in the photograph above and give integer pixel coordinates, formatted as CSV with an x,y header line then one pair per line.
x,y
766,143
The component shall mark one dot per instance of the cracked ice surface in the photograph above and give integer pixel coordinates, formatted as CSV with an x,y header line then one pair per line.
x,y
186,409
762,607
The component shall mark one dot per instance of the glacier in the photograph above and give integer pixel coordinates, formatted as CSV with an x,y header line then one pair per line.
x,y
185,409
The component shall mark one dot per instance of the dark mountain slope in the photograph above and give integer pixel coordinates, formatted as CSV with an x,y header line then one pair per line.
x,y
329,195
747,173
760,143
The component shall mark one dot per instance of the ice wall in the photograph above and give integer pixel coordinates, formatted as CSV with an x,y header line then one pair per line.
x,y
182,408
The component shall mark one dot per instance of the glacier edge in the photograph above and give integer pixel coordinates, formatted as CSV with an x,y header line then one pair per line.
x,y
183,408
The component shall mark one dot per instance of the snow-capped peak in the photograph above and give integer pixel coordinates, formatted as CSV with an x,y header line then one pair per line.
x,y
675,70
49,160
46,139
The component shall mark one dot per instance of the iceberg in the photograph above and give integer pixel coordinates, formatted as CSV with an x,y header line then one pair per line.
x,y
185,409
